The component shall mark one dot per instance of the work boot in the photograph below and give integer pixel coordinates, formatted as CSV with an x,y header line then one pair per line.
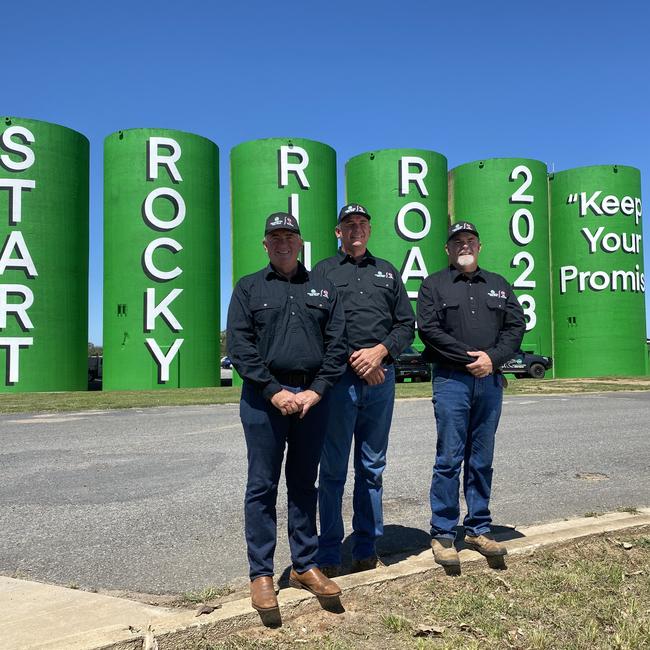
x,y
445,552
485,546
331,570
314,581
367,564
263,596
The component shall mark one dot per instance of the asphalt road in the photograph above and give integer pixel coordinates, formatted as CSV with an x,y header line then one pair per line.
x,y
150,500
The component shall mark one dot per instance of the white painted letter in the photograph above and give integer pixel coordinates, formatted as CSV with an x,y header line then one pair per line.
x,y
163,360
154,271
19,308
586,203
151,310
405,176
296,168
167,160
406,233
21,149
592,239
414,267
176,200
567,273
16,242
15,187
13,345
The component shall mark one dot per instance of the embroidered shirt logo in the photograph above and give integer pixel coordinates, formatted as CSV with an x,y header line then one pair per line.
x,y
497,294
388,275
323,293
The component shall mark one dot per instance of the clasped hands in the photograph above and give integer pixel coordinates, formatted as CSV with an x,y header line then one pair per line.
x,y
289,403
482,366
367,364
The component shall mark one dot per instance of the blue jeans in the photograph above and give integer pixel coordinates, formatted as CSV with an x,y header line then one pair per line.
x,y
267,432
467,413
364,413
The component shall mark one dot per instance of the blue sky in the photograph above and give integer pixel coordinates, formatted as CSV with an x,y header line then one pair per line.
x,y
563,82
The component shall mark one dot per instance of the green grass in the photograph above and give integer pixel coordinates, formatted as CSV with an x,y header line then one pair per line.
x,y
396,623
99,400
205,595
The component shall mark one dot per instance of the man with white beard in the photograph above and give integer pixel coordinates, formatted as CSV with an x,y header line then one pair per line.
x,y
470,322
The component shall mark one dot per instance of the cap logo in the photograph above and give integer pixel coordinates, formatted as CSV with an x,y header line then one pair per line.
x,y
354,207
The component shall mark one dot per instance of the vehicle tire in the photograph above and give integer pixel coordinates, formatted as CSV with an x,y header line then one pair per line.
x,y
537,371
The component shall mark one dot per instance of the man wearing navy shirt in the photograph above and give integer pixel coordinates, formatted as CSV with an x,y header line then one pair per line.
x,y
470,322
380,325
286,338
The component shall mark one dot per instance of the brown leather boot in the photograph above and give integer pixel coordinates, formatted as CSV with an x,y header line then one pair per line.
x,y
485,546
314,581
445,552
367,564
331,570
263,596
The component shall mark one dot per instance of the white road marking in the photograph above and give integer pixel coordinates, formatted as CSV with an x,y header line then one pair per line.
x,y
53,420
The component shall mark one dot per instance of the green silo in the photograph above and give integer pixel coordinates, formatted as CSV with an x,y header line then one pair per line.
x,y
507,200
598,277
161,260
281,175
405,192
44,171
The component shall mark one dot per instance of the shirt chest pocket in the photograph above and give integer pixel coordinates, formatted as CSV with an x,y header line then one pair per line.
x,y
383,292
265,312
497,309
449,314
318,311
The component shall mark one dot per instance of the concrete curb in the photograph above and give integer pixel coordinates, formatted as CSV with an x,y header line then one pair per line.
x,y
36,616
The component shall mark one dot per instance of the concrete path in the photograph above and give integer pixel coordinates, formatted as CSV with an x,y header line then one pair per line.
x,y
36,616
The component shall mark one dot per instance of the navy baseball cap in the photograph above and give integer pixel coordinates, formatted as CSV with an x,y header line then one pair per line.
x,y
461,226
353,208
281,221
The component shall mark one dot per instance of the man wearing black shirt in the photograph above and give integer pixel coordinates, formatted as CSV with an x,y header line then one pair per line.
x,y
286,338
470,322
380,325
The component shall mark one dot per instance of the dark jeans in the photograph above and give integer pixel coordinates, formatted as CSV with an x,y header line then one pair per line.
x,y
267,432
467,413
364,413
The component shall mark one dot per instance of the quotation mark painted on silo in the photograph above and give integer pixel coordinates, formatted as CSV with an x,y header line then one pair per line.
x,y
572,198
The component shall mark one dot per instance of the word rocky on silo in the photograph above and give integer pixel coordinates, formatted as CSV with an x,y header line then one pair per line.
x,y
162,152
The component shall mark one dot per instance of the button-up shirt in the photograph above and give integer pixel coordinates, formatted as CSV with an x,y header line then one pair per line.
x,y
459,312
279,326
377,307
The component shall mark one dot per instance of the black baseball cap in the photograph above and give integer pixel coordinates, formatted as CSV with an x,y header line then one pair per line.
x,y
281,221
461,226
353,208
